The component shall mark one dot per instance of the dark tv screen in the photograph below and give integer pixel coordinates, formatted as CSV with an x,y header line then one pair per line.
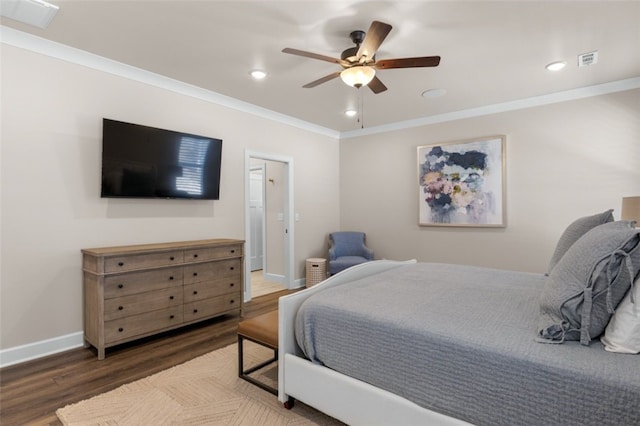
x,y
146,162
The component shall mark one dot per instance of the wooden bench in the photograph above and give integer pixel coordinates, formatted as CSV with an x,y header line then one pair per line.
x,y
262,330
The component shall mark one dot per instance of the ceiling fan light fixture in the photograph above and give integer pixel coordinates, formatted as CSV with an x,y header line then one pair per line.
x,y
358,76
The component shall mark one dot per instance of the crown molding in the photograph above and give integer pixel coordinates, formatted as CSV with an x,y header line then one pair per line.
x,y
53,49
70,54
552,98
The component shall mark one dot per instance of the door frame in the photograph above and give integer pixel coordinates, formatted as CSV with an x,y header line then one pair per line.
x,y
288,217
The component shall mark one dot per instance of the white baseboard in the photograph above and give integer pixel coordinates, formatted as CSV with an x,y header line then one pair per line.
x,y
300,282
30,351
19,354
276,278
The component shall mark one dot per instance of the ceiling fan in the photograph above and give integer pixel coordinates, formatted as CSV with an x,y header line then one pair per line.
x,y
360,63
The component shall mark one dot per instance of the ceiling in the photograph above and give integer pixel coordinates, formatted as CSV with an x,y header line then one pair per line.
x,y
492,52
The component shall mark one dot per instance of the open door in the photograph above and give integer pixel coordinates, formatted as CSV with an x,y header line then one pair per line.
x,y
285,216
257,217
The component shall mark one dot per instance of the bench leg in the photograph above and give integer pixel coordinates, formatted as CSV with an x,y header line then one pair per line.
x,y
240,356
244,374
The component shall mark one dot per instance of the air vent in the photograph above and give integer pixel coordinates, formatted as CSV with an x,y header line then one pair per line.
x,y
587,59
38,13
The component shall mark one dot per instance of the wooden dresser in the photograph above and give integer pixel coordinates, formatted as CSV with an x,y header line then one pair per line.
x,y
136,291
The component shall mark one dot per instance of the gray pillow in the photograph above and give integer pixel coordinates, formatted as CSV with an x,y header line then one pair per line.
x,y
576,230
587,284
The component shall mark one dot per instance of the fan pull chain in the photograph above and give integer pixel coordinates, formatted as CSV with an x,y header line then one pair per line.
x,y
361,108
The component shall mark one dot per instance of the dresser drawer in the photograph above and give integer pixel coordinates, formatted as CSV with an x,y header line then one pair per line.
x,y
141,261
125,328
212,253
212,270
141,282
208,289
141,303
210,307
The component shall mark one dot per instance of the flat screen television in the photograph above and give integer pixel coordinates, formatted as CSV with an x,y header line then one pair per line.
x,y
146,162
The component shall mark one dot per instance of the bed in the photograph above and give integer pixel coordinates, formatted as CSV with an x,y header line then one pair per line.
x,y
402,343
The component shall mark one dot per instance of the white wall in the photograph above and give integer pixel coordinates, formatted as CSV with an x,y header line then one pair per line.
x,y
564,161
51,208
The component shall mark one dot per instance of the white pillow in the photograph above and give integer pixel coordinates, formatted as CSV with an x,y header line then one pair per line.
x,y
623,331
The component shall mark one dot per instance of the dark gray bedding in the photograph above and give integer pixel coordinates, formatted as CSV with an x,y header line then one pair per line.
x,y
461,340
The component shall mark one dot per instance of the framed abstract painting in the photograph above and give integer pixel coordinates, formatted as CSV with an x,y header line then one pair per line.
x,y
462,183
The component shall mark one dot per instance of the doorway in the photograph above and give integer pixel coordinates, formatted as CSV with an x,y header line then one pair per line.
x,y
257,216
268,223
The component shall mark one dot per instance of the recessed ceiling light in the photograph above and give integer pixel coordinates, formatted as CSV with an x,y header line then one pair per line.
x,y
258,74
433,93
556,66
351,113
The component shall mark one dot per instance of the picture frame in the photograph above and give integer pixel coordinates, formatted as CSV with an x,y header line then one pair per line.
x,y
462,183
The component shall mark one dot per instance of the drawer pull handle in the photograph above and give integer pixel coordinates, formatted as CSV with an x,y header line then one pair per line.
x,y
195,291
120,263
233,251
231,284
195,274
171,317
171,258
195,255
195,311
170,297
170,278
232,268
120,308
121,329
120,285
233,301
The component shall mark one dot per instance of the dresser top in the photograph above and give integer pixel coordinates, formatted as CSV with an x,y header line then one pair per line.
x,y
140,248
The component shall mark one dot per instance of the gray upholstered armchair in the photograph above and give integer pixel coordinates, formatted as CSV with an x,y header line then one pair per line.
x,y
347,249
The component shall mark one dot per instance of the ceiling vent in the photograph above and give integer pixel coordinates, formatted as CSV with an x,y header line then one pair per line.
x,y
38,13
587,59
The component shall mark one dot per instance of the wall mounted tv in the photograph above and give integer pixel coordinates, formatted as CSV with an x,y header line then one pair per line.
x,y
146,162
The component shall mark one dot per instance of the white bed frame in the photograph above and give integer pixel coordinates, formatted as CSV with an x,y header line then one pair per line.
x,y
342,397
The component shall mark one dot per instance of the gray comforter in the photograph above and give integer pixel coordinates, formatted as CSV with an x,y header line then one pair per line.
x,y
461,341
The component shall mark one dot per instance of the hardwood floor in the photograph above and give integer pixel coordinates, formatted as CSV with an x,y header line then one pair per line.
x,y
261,286
31,392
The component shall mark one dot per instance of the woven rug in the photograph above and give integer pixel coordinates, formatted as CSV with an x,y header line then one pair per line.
x,y
203,391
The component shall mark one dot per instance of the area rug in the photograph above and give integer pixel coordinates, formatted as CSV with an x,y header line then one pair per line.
x,y
203,391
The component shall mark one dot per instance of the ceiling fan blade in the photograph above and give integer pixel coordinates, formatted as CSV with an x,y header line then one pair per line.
x,y
313,56
376,85
426,61
375,36
322,80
